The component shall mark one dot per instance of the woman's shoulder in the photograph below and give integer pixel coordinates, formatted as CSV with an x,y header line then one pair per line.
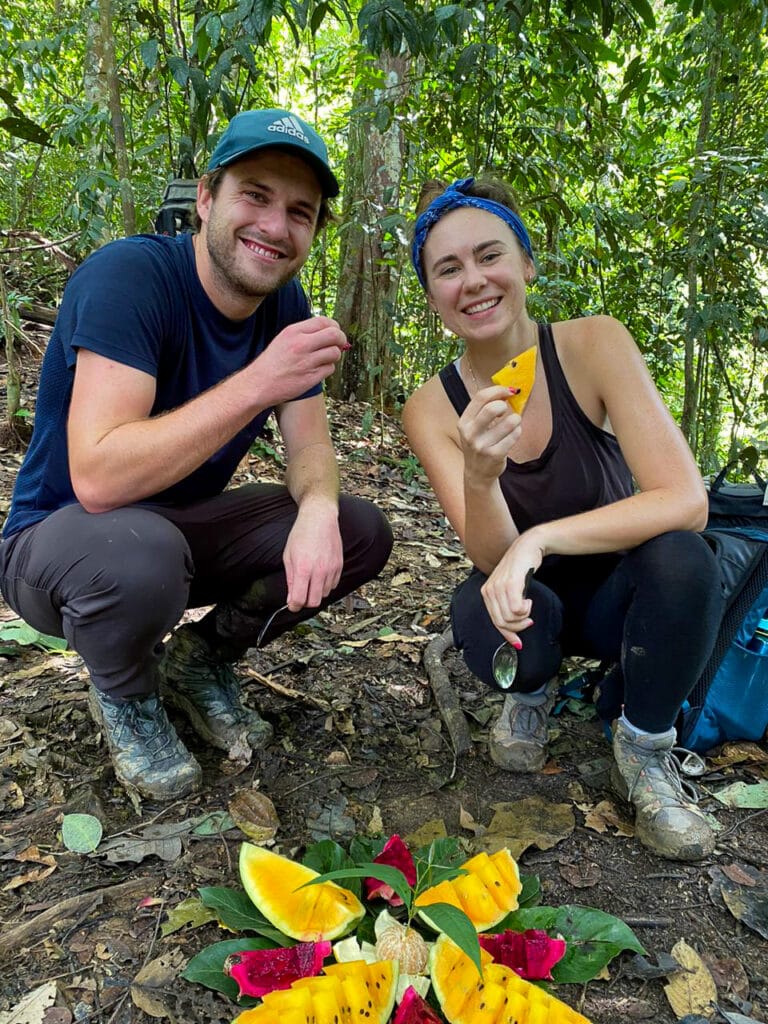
x,y
601,337
429,401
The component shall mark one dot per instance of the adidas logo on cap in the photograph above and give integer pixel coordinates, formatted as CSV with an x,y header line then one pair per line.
x,y
289,126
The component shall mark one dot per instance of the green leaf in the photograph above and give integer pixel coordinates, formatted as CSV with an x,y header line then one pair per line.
x,y
457,926
213,824
437,862
236,911
593,938
22,127
19,632
393,877
148,52
81,833
207,968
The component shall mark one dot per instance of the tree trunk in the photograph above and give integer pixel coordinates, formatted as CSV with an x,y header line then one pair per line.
x,y
695,336
111,88
370,255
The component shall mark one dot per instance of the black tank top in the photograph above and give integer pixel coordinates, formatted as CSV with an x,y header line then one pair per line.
x,y
582,466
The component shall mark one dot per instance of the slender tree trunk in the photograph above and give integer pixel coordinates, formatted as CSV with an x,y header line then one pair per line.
x,y
111,88
695,336
369,262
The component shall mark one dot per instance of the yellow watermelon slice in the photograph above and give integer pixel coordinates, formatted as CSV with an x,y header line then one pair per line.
x,y
345,994
519,373
313,914
486,893
499,997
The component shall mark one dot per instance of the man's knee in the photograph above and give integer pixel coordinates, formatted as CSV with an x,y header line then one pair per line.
x,y
365,531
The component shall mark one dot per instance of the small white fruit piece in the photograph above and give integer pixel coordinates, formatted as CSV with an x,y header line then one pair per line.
x,y
397,942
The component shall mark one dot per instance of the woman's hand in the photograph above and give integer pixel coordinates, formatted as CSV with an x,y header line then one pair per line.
x,y
504,592
487,430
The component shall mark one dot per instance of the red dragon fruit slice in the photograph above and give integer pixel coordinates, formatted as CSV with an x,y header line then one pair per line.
x,y
397,855
531,954
259,971
414,1010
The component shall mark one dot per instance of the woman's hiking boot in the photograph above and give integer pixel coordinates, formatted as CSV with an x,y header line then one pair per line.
x,y
518,739
202,685
147,755
647,774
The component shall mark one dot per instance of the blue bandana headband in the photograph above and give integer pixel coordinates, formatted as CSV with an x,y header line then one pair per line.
x,y
454,197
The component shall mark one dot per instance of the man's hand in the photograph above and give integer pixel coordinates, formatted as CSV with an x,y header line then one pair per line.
x,y
300,356
313,555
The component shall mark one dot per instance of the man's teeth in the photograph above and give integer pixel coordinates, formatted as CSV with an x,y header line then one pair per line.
x,y
269,254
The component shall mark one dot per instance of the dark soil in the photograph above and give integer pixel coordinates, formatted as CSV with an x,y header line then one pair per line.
x,y
359,747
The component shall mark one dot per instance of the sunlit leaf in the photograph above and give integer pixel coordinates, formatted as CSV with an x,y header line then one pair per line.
x,y
81,833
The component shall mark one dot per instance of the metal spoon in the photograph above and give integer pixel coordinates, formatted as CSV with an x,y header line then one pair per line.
x,y
504,662
268,623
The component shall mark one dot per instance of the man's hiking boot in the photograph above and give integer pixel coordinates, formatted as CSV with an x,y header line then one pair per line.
x,y
197,682
518,739
647,774
147,755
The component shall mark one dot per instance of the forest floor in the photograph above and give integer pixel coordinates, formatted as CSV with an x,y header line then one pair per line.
x,y
360,747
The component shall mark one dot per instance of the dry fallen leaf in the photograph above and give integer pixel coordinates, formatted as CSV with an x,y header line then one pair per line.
x,y
582,874
468,822
605,815
32,1007
524,823
691,990
151,988
254,814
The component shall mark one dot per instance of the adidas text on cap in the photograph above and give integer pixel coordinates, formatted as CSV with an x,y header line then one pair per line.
x,y
252,130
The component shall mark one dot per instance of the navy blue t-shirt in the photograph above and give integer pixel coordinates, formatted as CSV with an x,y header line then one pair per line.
x,y
139,301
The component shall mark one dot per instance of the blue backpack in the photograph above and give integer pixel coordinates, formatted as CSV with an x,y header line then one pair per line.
x,y
730,700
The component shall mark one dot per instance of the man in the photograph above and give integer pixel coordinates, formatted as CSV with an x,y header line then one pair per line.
x,y
168,356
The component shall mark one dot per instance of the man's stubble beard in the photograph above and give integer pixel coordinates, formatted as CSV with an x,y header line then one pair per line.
x,y
222,255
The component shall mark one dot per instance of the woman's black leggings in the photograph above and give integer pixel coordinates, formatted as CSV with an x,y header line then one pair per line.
x,y
653,611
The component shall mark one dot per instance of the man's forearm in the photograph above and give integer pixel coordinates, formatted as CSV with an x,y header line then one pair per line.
x,y
313,474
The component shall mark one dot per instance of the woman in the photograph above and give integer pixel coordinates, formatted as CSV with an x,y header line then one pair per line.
x,y
620,571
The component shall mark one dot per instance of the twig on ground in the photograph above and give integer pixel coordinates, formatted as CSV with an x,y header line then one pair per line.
x,y
444,693
14,939
286,691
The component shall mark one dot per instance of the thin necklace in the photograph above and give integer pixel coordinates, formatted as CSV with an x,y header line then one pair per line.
x,y
471,370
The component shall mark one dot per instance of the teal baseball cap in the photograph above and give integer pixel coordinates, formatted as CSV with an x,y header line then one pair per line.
x,y
252,130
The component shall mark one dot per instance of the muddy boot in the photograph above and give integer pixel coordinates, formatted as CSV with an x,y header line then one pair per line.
x,y
147,755
518,740
647,774
203,686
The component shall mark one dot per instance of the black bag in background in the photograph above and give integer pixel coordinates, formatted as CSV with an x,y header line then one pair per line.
x,y
737,505
728,702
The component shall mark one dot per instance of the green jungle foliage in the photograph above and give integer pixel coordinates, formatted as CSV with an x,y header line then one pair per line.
x,y
633,132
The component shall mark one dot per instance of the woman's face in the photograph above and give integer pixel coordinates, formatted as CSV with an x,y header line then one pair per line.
x,y
476,273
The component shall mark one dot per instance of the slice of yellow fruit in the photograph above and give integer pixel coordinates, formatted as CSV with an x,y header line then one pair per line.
x,y
518,373
310,914
486,893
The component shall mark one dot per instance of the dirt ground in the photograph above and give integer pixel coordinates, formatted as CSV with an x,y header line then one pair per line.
x,y
360,746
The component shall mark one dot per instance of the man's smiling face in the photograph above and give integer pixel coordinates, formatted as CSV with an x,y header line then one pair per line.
x,y
257,230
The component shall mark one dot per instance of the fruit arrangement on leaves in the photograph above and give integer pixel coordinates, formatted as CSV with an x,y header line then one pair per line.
x,y
456,942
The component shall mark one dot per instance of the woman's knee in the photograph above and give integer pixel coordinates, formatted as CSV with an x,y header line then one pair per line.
x,y
478,639
678,561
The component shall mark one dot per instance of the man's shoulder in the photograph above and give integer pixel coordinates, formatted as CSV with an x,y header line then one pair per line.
x,y
139,250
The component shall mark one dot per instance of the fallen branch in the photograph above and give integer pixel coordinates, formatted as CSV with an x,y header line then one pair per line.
x,y
16,939
285,691
445,694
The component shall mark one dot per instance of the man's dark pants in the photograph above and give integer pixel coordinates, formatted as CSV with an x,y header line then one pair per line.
x,y
115,583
